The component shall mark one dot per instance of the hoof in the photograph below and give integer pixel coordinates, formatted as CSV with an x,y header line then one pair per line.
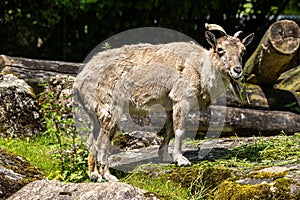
x,y
182,161
95,176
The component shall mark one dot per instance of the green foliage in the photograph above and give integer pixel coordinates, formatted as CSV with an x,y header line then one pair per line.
x,y
68,149
281,149
293,8
68,29
294,107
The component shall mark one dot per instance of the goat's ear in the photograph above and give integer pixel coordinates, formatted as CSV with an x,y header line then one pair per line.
x,y
247,40
211,38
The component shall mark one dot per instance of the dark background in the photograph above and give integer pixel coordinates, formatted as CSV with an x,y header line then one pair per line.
x,y
69,29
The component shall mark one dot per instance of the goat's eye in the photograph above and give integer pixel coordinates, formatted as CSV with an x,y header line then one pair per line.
x,y
220,51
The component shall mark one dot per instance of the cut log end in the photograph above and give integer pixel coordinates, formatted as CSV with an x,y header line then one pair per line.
x,y
274,53
285,36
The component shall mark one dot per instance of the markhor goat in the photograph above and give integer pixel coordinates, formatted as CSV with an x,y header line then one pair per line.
x,y
177,76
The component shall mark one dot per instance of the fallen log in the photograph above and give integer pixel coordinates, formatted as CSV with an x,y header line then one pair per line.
x,y
35,71
266,98
274,53
223,121
290,80
249,122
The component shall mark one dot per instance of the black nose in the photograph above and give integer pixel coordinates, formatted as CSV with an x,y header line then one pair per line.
x,y
237,70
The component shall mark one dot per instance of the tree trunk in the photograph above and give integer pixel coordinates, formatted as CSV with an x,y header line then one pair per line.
x,y
274,53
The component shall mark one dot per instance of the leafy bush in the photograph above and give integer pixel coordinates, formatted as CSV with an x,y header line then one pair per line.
x,y
69,149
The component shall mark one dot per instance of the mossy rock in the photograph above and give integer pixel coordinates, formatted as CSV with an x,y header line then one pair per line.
x,y
279,189
230,190
15,172
267,183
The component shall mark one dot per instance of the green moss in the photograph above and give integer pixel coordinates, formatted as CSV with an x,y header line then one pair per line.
x,y
182,175
229,190
20,166
283,189
172,182
120,140
216,175
263,175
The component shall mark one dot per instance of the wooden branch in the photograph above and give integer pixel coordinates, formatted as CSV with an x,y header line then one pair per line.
x,y
274,53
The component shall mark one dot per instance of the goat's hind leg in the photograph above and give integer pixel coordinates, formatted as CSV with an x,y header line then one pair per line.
x,y
92,157
103,143
92,165
163,152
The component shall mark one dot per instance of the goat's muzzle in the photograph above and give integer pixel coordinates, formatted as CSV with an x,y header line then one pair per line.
x,y
236,73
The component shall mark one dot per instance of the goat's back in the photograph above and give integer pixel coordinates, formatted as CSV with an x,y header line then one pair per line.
x,y
95,83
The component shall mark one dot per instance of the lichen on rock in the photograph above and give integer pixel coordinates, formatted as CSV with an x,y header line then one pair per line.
x,y
20,115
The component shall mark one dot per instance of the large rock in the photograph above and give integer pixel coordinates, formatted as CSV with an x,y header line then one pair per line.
x,y
15,172
51,189
20,115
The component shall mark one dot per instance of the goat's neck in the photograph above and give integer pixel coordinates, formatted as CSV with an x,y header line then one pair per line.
x,y
214,80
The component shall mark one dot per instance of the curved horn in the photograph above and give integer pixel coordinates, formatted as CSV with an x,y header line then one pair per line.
x,y
237,34
215,27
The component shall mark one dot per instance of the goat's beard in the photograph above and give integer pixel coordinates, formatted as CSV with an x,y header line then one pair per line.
x,y
236,85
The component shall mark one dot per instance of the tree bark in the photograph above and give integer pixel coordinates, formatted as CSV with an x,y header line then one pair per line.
x,y
274,53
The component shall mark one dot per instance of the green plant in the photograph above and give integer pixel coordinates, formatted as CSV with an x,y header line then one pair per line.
x,y
294,107
70,150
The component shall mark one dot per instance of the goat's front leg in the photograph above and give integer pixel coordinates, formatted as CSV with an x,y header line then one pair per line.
x,y
179,117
